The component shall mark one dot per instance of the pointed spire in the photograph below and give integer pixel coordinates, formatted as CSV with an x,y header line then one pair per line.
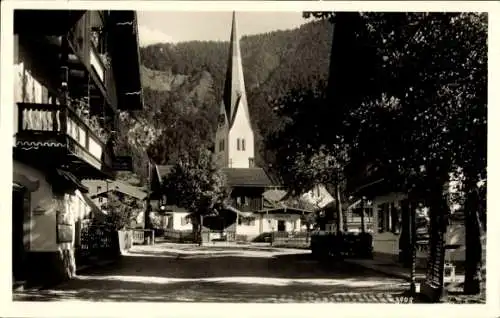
x,y
234,88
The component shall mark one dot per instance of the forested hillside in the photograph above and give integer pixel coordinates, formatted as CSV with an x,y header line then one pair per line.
x,y
183,86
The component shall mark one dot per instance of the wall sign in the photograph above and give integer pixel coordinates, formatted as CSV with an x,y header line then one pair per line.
x,y
64,233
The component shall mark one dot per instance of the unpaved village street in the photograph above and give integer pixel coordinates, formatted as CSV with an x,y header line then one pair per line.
x,y
178,273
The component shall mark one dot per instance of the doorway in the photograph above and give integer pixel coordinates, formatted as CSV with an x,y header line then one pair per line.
x,y
281,226
19,198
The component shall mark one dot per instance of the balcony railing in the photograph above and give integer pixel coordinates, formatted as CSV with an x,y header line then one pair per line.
x,y
47,125
248,204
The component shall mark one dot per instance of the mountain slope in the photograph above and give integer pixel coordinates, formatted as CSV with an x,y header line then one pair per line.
x,y
183,86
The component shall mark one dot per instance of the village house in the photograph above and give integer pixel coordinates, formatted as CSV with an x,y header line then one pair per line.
x,y
99,190
172,217
390,210
255,206
71,78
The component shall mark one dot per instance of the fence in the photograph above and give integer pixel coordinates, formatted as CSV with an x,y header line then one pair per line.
x,y
300,239
143,236
218,236
179,236
97,243
342,244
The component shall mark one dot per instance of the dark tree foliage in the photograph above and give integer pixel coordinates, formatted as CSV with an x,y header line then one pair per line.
x,y
424,114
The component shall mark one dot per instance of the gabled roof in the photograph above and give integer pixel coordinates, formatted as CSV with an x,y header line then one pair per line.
x,y
278,199
117,186
246,177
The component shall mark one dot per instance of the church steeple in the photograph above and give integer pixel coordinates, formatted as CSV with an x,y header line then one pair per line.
x,y
234,88
234,137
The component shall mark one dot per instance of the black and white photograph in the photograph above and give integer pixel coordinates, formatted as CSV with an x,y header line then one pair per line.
x,y
311,155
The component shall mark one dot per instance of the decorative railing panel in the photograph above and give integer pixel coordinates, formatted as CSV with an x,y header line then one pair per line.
x,y
35,120
97,243
143,236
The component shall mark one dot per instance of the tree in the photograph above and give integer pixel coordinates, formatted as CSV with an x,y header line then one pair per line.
x,y
303,156
197,185
424,113
435,66
120,211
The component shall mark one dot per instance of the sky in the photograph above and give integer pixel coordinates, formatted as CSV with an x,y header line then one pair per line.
x,y
169,26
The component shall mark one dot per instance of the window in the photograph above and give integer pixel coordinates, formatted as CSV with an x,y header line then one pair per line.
x,y
185,220
98,188
251,162
243,144
223,146
247,221
238,144
242,201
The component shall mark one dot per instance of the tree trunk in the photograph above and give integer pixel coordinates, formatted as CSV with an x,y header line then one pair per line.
x,y
438,212
473,249
362,216
405,237
200,228
340,216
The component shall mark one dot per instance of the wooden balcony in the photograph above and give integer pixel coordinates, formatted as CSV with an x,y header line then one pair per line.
x,y
56,134
247,204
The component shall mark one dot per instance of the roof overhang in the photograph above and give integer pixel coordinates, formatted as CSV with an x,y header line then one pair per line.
x,y
68,177
285,210
125,54
47,22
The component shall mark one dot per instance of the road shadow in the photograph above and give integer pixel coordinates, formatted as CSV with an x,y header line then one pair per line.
x,y
228,278
293,266
99,290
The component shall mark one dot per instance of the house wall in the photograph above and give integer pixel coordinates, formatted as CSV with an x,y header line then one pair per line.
x,y
48,260
28,87
40,226
221,152
387,243
41,223
241,129
178,221
268,223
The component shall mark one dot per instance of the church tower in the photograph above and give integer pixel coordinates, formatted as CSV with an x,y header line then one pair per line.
x,y
234,139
